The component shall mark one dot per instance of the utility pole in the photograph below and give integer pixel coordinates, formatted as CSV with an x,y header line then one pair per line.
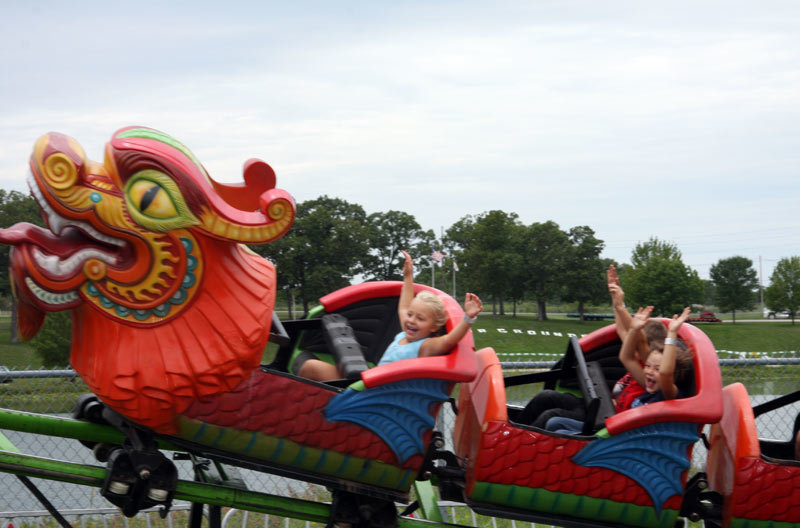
x,y
455,268
761,282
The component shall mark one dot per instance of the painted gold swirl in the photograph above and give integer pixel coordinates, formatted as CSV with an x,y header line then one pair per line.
x,y
278,209
60,172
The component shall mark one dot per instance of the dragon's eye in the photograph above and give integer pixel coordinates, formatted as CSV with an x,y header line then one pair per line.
x,y
151,199
155,202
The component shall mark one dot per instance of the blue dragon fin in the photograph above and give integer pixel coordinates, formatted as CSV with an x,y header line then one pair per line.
x,y
654,456
398,412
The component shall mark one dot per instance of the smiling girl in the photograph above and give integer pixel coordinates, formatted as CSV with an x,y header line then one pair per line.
x,y
663,373
421,317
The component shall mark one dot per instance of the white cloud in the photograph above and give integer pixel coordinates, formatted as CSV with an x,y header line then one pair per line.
x,y
635,119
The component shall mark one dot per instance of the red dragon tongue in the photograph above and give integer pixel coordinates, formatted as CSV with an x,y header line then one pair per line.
x,y
17,234
29,320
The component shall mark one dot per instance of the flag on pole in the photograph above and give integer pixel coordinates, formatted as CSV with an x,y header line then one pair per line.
x,y
438,256
455,266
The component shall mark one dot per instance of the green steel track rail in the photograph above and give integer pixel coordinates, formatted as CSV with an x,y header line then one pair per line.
x,y
11,461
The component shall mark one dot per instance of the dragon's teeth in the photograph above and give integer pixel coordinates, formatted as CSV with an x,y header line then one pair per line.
x,y
60,268
50,297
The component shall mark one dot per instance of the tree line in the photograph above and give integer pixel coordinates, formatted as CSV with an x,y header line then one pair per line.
x,y
505,261
334,242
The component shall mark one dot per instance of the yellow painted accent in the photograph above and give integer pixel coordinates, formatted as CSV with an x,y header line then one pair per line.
x,y
59,171
94,269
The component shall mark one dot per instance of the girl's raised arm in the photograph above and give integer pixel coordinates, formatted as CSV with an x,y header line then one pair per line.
x,y
666,372
407,292
627,354
622,318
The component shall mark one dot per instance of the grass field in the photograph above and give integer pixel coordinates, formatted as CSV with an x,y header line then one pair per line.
x,y
767,336
522,337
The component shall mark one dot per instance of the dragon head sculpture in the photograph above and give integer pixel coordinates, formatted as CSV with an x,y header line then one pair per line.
x,y
148,251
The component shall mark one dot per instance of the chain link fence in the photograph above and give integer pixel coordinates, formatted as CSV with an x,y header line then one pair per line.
x,y
55,392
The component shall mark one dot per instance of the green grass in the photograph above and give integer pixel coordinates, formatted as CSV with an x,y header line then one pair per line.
x,y
770,336
15,356
524,343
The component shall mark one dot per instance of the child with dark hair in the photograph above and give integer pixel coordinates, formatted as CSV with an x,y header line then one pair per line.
x,y
551,403
662,375
627,389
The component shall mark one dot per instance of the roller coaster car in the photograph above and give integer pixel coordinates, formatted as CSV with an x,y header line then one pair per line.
x,y
626,469
370,433
171,312
758,478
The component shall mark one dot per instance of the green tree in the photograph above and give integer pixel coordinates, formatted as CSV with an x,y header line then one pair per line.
x,y
734,280
783,293
654,248
658,277
52,343
322,252
584,276
14,207
546,248
489,253
388,233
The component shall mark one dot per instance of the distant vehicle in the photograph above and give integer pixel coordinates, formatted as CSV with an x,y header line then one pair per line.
x,y
771,314
705,316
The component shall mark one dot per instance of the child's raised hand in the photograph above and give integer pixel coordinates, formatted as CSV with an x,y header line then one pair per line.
x,y
641,317
408,266
678,320
614,288
472,305
611,276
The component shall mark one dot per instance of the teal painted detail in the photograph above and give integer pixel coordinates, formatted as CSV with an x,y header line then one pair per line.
x,y
345,463
405,480
95,197
251,443
278,449
219,437
364,469
177,299
397,412
200,432
301,454
654,456
321,460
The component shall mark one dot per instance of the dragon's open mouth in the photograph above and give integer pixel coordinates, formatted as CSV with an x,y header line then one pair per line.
x,y
60,252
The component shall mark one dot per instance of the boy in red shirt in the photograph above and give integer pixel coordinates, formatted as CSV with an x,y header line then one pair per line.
x,y
627,389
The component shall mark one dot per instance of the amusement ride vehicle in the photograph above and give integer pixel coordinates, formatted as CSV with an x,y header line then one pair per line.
x,y
171,313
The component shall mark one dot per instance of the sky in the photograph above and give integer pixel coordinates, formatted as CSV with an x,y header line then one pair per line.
x,y
678,120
